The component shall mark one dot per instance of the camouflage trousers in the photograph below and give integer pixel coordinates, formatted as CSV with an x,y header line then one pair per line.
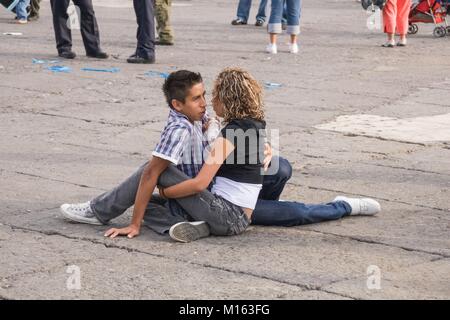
x,y
162,15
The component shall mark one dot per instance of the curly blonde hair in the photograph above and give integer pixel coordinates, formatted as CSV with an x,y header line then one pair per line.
x,y
240,94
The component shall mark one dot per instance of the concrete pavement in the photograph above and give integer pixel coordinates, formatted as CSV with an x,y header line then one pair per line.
x,y
66,137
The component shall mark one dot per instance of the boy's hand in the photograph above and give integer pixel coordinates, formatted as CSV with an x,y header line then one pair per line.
x,y
131,231
268,156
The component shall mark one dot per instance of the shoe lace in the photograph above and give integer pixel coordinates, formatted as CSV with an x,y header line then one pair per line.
x,y
82,209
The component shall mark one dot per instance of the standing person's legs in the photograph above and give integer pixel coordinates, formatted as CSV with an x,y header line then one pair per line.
x,y
115,202
34,13
21,10
261,15
274,27
276,13
243,10
162,14
403,7
89,27
291,213
293,20
63,34
144,10
222,217
390,21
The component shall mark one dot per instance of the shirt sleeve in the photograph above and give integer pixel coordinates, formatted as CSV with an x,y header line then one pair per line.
x,y
174,140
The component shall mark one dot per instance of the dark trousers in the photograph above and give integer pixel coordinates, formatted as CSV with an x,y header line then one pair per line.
x,y
35,6
145,19
88,24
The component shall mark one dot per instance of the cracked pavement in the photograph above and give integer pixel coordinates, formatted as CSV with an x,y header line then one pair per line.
x,y
66,137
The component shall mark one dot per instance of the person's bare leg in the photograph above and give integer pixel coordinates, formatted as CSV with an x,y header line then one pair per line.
x,y
272,46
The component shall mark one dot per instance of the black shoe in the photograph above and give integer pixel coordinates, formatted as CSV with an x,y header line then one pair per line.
x,y
67,54
138,59
238,21
33,18
259,23
98,55
163,43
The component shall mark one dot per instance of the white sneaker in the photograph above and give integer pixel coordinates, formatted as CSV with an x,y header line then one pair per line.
x,y
271,48
362,206
189,231
293,48
79,212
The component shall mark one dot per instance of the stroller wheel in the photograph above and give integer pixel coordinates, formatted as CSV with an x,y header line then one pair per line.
x,y
448,30
439,32
413,28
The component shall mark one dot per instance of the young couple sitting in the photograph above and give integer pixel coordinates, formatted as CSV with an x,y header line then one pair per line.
x,y
217,188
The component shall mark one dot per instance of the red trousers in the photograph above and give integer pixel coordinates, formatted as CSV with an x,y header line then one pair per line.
x,y
395,16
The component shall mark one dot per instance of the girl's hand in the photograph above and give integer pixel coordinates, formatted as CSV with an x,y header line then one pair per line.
x,y
267,156
161,192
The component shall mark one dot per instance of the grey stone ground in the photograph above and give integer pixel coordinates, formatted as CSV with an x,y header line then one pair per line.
x,y
68,137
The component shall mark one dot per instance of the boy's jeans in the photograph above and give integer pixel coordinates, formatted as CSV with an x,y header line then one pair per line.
x,y
268,211
293,11
21,9
244,6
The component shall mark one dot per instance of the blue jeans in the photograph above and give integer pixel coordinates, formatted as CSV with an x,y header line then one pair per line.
x,y
243,10
293,11
292,213
271,212
21,9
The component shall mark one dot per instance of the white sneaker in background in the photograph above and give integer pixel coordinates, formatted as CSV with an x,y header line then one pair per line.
x,y
79,212
293,48
361,206
271,48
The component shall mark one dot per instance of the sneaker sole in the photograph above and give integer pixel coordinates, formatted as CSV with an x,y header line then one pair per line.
x,y
187,232
76,218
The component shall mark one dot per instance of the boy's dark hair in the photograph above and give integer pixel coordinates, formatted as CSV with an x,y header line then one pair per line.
x,y
179,83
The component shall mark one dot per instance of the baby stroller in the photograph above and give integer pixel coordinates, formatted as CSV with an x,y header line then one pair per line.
x,y
430,11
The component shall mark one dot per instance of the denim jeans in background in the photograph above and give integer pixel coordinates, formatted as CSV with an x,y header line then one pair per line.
x,y
284,17
21,9
293,11
244,6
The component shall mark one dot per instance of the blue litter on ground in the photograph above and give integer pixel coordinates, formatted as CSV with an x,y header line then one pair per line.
x,y
38,61
59,69
157,74
111,70
272,85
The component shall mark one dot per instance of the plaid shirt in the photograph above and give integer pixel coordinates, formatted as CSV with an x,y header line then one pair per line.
x,y
182,143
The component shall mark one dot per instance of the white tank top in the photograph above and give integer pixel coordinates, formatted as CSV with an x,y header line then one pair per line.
x,y
242,194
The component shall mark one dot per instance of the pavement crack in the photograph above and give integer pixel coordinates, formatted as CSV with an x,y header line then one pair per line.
x,y
51,179
306,287
101,149
363,240
113,124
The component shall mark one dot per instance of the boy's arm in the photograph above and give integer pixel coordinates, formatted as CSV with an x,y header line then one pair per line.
x,y
219,153
147,184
